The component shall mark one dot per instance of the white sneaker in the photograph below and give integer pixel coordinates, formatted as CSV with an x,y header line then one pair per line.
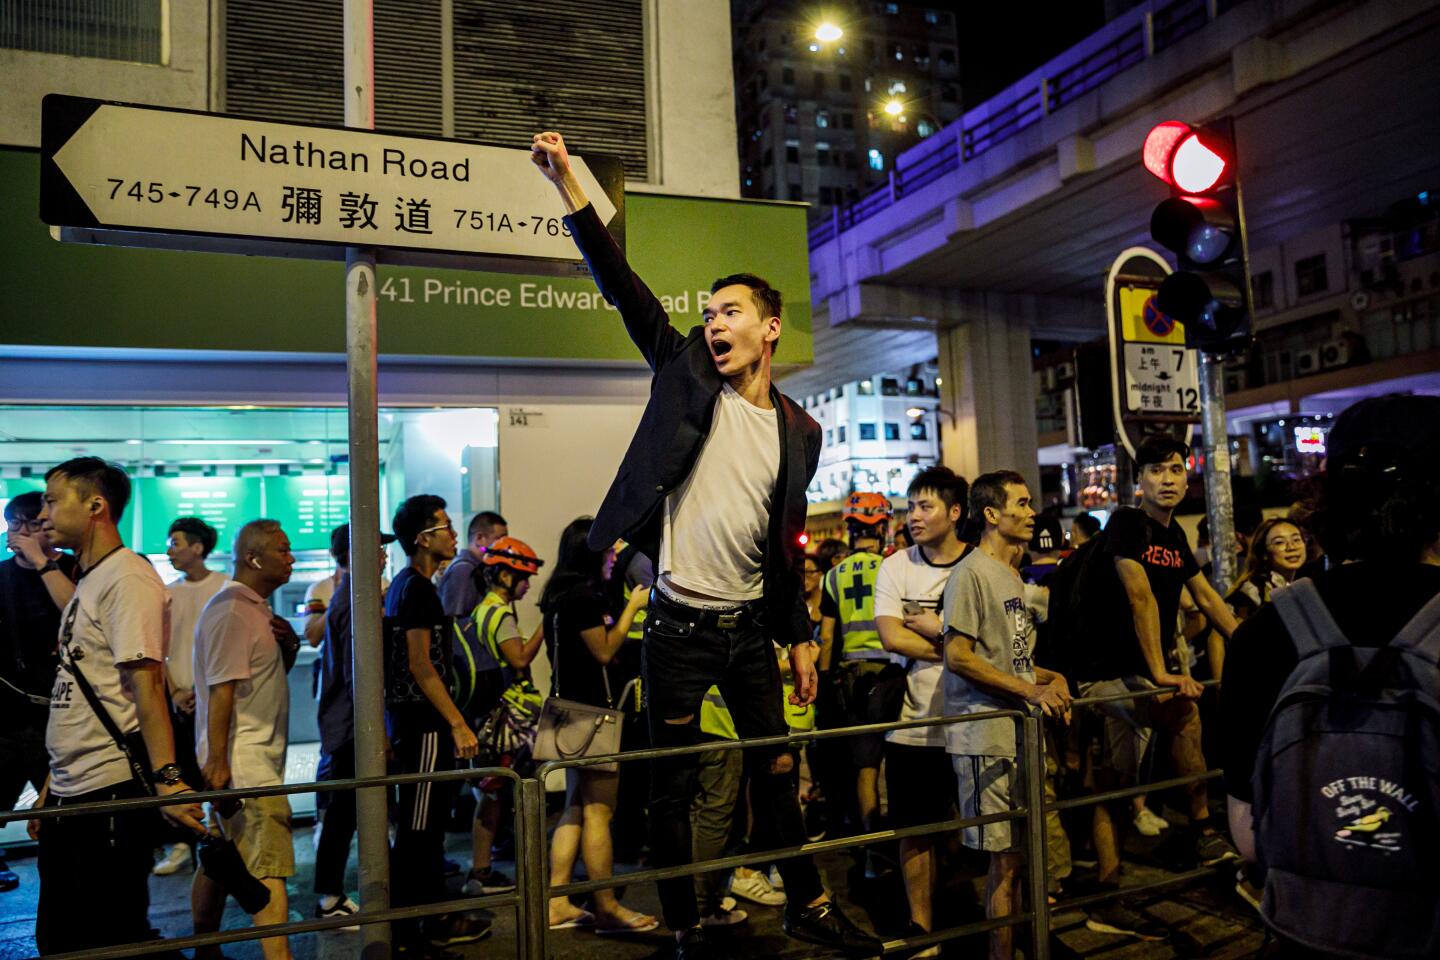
x,y
344,907
756,889
776,880
1150,824
174,860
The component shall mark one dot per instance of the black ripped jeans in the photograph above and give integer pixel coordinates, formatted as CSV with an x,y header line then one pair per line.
x,y
684,654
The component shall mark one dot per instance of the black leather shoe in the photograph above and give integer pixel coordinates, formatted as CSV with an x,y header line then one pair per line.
x,y
826,926
695,945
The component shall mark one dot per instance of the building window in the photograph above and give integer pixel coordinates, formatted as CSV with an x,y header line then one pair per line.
x,y
792,113
819,82
1262,290
840,433
829,438
1310,276
792,151
107,31
844,83
822,118
932,17
826,197
867,431
892,431
893,9
847,160
889,387
787,76
917,431
833,393
876,158
946,56
924,128
866,388
947,93
796,193
847,121
822,154
897,51
914,387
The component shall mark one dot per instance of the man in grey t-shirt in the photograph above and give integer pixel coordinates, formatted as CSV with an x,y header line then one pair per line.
x,y
989,635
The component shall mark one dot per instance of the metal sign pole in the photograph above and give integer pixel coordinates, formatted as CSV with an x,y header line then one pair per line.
x,y
360,361
1219,501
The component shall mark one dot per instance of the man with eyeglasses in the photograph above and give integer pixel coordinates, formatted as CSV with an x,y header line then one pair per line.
x,y
35,584
428,732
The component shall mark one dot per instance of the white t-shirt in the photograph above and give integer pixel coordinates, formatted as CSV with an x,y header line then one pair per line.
x,y
187,599
716,522
119,615
909,575
234,642
322,590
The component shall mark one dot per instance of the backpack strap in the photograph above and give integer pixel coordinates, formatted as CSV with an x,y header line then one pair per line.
x,y
1422,634
1312,628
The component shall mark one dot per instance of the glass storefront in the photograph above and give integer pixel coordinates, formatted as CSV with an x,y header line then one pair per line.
x,y
232,464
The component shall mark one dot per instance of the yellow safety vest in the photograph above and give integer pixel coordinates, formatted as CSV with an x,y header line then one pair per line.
x,y
851,584
715,718
637,626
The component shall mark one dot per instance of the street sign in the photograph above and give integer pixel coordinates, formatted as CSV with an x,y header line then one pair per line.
x,y
126,167
1154,378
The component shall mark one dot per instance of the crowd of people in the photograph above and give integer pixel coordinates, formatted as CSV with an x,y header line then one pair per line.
x,y
686,611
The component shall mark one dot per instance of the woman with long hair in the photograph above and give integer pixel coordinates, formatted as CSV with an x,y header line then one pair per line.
x,y
1277,552
581,641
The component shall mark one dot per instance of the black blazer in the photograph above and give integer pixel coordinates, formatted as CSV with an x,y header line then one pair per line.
x,y
674,426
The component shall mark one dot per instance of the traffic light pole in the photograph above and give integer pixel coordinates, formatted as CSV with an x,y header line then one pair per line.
x,y
1219,501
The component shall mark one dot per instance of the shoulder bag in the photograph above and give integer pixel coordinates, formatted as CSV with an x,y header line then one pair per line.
x,y
569,729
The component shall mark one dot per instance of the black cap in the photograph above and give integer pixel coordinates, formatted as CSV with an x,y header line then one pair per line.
x,y
1049,535
340,539
1383,433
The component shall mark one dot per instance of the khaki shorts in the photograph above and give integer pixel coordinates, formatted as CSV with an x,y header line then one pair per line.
x,y
1129,724
261,831
985,787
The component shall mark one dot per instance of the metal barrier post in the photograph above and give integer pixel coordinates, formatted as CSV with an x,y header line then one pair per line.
x,y
1039,866
530,862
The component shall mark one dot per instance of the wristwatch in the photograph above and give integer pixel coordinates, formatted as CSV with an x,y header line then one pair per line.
x,y
49,565
169,774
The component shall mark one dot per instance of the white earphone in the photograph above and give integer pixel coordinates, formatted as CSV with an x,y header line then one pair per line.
x,y
254,563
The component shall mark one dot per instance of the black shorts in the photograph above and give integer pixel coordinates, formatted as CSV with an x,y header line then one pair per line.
x,y
920,783
857,677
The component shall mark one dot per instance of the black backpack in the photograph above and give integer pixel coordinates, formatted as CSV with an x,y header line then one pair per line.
x,y
1347,788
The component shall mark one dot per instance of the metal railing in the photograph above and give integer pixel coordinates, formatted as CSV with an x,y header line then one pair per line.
x,y
532,894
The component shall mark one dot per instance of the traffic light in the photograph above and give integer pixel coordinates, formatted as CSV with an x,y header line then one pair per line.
x,y
1203,224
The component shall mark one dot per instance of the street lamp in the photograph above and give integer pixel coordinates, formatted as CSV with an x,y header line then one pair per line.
x,y
828,33
894,107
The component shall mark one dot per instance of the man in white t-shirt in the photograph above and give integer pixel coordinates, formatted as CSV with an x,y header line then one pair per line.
x,y
713,489
909,587
242,653
190,542
112,653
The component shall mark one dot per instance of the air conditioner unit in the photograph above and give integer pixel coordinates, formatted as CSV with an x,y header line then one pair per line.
x,y
1307,362
1065,371
1047,378
1236,380
1335,353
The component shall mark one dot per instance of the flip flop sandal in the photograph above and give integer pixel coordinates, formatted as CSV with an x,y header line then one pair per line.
x,y
585,919
641,924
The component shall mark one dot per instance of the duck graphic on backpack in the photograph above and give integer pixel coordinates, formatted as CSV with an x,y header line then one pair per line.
x,y
1364,812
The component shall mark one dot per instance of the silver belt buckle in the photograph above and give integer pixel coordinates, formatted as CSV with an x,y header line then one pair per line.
x,y
727,621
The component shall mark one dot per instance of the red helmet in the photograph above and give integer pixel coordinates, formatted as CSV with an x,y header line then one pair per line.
x,y
512,553
867,508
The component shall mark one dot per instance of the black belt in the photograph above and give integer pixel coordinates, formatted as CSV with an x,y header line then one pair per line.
x,y
746,614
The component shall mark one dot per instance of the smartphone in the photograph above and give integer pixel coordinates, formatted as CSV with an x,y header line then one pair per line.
x,y
913,608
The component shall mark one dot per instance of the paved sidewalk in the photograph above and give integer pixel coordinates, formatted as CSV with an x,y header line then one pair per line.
x,y
1206,920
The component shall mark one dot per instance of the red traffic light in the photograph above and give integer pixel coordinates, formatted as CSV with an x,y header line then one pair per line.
x,y
1184,157
803,539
